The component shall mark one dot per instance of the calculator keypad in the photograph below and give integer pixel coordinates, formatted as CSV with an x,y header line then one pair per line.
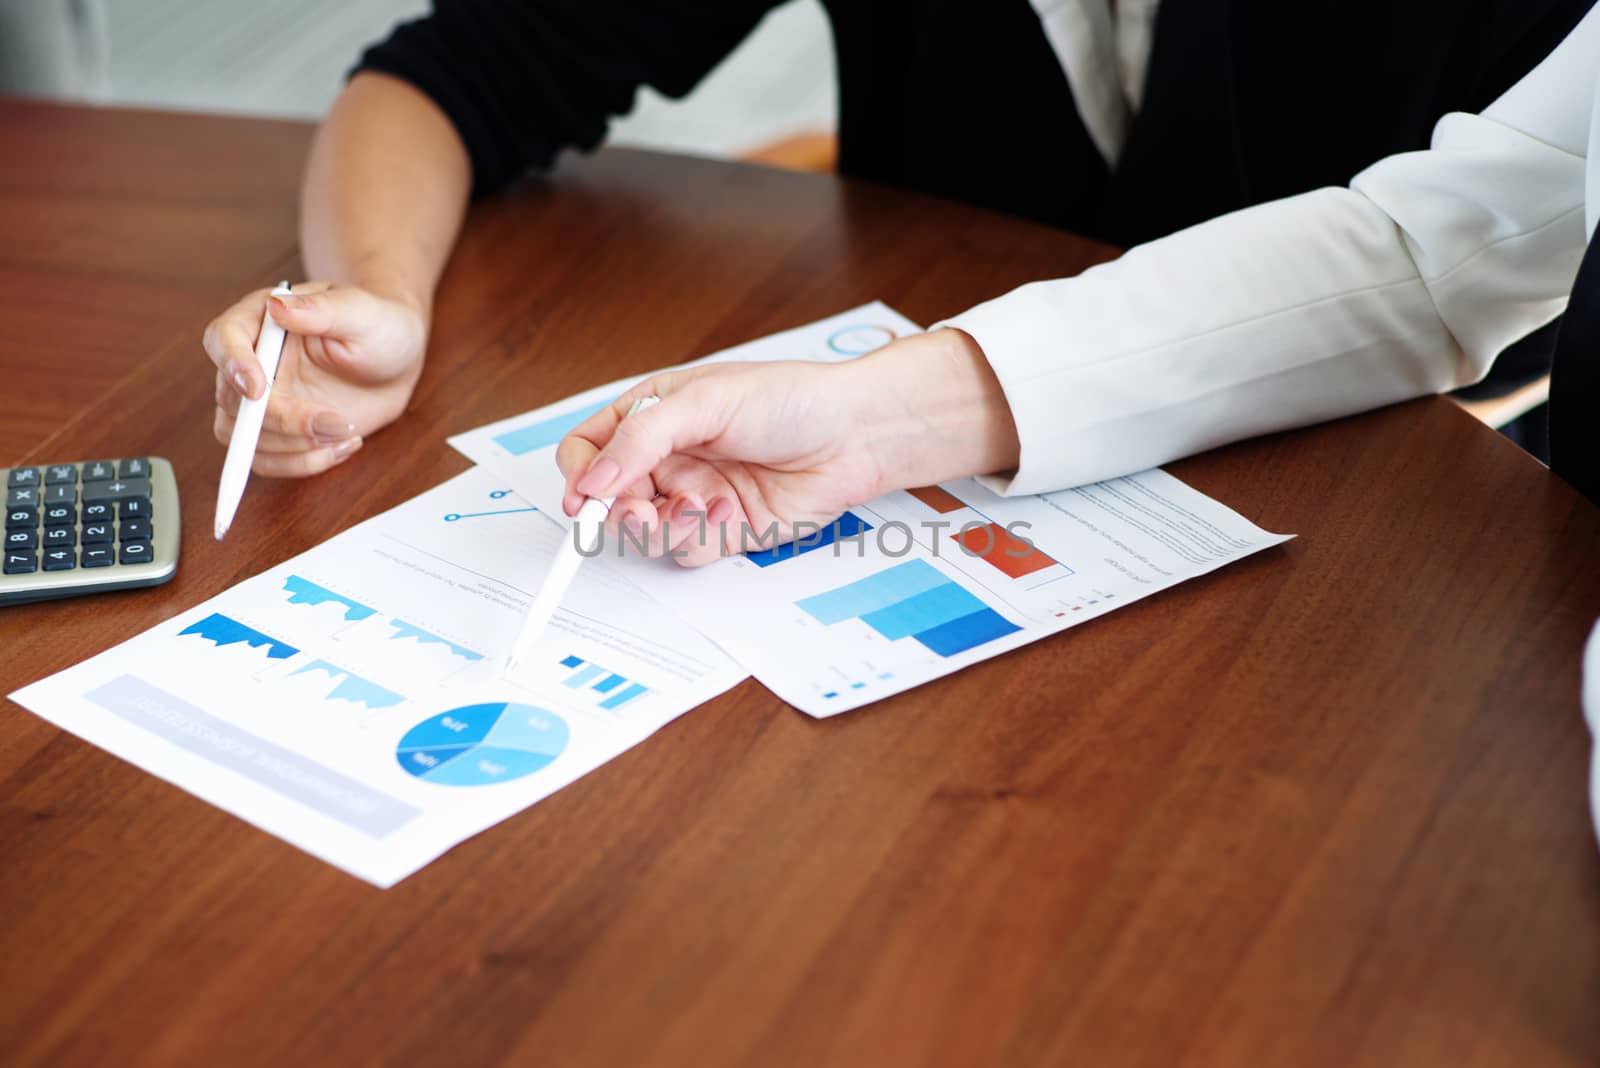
x,y
103,517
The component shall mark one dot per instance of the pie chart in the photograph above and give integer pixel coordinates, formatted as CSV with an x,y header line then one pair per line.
x,y
480,745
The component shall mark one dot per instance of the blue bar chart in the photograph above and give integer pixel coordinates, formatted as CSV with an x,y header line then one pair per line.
x,y
351,687
546,432
304,591
614,690
913,600
846,526
404,631
222,630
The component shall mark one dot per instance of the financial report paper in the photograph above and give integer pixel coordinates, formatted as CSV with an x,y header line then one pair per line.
x,y
916,584
349,700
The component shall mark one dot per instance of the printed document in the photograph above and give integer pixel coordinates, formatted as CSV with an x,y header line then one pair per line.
x,y
349,700
914,585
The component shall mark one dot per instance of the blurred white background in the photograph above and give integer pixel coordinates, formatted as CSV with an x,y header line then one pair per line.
x,y
288,58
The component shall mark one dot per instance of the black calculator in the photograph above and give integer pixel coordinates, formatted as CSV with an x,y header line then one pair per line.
x,y
88,527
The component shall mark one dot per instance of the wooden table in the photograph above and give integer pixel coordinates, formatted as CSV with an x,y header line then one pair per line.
x,y
1325,807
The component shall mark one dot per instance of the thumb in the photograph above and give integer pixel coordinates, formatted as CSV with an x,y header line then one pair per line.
x,y
341,312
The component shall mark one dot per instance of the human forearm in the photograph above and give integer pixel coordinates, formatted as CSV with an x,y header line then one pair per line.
x,y
385,191
934,411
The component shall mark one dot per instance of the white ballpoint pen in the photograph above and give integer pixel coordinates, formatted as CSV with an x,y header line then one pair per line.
x,y
247,424
588,527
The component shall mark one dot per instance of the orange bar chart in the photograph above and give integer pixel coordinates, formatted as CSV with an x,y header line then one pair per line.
x,y
995,546
939,500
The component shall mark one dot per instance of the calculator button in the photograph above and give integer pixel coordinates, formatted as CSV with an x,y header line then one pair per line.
x,y
134,530
60,559
22,496
134,508
21,517
98,556
99,471
118,489
96,533
62,494
97,513
136,552
134,469
55,537
56,474
27,538
59,515
23,476
21,563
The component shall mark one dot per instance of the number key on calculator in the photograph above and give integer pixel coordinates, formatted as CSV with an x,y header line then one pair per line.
x,y
87,527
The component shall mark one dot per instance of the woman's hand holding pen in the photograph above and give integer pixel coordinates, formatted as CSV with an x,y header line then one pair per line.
x,y
350,361
734,449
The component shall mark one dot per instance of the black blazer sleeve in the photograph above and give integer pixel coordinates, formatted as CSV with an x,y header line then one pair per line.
x,y
523,79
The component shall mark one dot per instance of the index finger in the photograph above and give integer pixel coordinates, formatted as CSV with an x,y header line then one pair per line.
x,y
230,340
584,442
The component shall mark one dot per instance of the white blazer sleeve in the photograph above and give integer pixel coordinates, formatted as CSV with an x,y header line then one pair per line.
x,y
1409,282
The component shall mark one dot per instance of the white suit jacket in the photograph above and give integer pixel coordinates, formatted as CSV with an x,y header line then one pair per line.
x,y
1409,282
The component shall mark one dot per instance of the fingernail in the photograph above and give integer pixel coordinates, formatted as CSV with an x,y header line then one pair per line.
x,y
240,381
342,451
691,507
329,427
598,480
721,510
633,525
292,301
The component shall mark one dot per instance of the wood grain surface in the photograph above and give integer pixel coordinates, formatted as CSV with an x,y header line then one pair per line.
x,y
1324,807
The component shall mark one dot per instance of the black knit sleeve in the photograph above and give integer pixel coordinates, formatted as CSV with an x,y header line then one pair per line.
x,y
523,79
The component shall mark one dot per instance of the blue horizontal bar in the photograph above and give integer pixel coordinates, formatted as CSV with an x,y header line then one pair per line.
x,y
846,526
873,592
968,632
609,683
583,675
622,697
542,435
928,609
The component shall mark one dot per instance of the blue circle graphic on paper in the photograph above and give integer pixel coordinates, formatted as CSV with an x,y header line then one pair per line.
x,y
480,745
860,340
